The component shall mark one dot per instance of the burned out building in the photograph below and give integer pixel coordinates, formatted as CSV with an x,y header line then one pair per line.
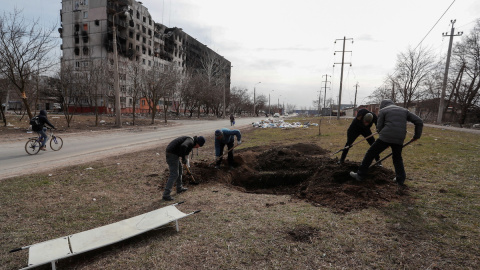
x,y
87,32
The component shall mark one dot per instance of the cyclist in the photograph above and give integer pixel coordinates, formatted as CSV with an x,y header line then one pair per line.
x,y
40,129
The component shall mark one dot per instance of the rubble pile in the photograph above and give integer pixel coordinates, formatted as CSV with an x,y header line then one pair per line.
x,y
280,123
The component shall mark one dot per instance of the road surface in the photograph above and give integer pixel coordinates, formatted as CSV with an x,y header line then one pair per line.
x,y
84,147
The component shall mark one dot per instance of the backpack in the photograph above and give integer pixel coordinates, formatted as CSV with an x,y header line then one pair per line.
x,y
35,122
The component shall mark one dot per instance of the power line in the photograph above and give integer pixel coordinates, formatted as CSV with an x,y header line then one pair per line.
x,y
434,25
395,71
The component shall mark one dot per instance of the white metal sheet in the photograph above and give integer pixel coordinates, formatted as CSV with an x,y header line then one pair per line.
x,y
48,251
115,232
52,250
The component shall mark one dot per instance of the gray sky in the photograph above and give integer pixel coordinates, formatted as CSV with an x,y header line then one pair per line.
x,y
289,45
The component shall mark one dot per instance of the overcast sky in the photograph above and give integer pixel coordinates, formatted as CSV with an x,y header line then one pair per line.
x,y
289,45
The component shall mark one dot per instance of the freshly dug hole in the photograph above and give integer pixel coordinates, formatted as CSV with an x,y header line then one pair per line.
x,y
305,171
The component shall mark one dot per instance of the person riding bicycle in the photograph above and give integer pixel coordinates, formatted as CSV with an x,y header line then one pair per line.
x,y
40,129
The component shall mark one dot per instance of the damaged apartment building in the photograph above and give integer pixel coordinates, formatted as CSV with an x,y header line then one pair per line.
x,y
87,38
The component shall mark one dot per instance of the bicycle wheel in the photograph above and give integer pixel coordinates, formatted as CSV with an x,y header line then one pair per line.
x,y
56,143
32,146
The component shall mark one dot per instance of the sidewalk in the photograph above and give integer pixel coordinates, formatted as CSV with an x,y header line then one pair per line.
x,y
469,130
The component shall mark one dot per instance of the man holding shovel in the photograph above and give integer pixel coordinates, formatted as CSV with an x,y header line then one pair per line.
x,y
360,126
176,150
392,127
226,137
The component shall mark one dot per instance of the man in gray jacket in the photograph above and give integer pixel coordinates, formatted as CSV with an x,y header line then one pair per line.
x,y
392,129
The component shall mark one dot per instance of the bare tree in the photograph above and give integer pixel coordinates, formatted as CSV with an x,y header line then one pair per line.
x,y
24,51
4,86
67,93
411,71
190,95
379,94
137,86
467,55
239,100
159,83
214,70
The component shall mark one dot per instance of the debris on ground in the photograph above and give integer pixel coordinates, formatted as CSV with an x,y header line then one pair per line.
x,y
280,123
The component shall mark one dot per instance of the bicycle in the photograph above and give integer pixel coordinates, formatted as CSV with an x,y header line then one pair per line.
x,y
33,144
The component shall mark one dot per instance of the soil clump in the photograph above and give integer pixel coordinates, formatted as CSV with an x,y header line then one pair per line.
x,y
305,171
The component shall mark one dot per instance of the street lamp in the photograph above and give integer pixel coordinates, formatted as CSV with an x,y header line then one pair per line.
x,y
254,98
116,83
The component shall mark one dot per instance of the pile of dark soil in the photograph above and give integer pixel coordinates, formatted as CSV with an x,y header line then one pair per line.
x,y
307,172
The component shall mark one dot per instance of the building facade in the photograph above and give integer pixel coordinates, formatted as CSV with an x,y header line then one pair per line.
x,y
87,32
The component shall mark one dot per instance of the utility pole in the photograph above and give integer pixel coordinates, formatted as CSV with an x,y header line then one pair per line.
x,y
319,95
341,73
355,100
393,91
254,98
441,107
325,87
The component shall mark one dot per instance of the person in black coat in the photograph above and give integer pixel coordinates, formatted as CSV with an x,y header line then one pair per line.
x,y
176,150
392,130
40,129
360,126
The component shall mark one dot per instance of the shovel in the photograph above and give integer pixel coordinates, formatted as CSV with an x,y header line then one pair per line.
x,y
387,156
223,155
350,146
190,173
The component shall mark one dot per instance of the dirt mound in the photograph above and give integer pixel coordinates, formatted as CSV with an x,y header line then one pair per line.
x,y
304,171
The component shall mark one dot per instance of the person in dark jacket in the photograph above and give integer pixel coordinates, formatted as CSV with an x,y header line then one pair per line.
x,y
226,137
360,126
40,129
177,150
232,120
392,129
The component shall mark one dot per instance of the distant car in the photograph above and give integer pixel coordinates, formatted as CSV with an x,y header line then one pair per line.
x,y
286,114
276,115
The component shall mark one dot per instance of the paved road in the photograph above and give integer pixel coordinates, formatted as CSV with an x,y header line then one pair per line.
x,y
84,147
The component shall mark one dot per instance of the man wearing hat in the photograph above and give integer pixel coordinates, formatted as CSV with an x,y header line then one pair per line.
x,y
176,150
360,126
224,137
392,130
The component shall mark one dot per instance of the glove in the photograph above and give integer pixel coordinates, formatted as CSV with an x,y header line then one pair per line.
x,y
239,142
184,161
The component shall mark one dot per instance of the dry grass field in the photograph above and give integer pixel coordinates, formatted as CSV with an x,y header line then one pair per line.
x,y
434,224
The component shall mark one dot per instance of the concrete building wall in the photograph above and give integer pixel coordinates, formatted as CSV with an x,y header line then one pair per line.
x,y
87,39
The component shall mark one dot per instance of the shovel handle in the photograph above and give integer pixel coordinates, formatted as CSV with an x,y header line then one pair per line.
x,y
350,146
387,156
219,157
